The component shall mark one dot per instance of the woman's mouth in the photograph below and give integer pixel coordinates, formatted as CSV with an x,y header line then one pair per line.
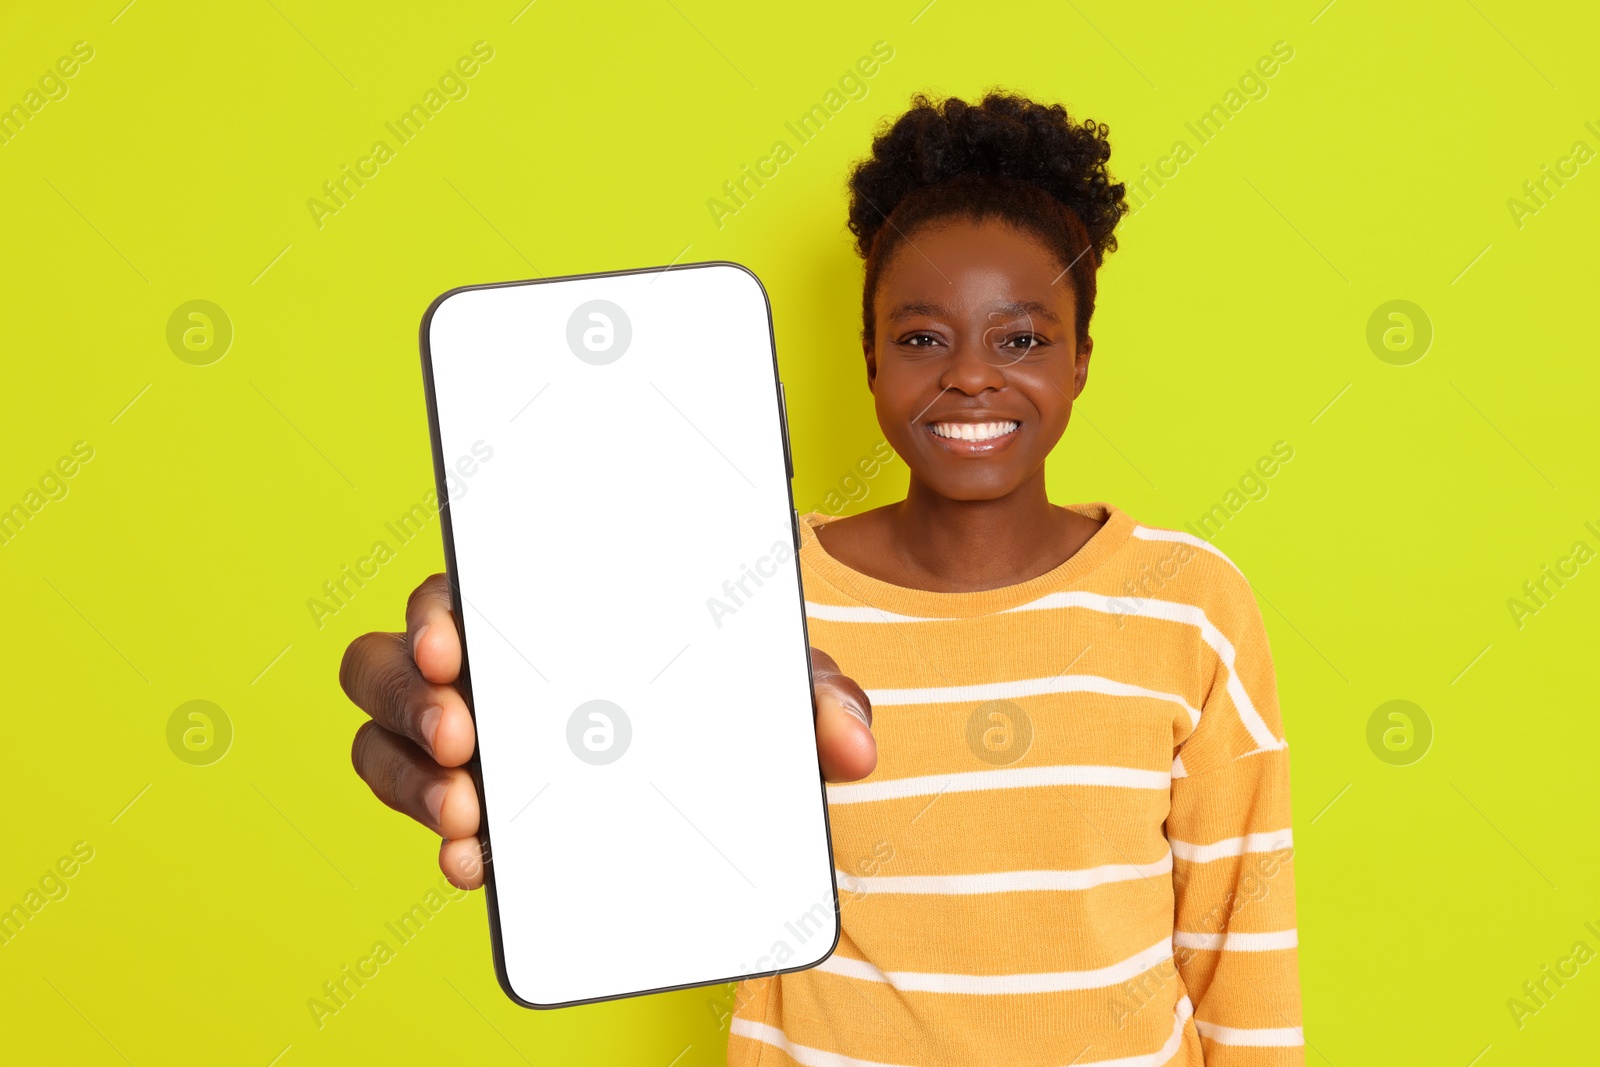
x,y
974,438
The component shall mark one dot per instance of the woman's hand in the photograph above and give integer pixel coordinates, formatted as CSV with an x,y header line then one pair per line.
x,y
413,752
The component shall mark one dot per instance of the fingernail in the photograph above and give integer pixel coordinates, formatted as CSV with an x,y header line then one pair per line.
x,y
416,638
428,725
853,708
433,799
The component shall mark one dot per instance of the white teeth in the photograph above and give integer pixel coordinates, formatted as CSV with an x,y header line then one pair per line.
x,y
975,431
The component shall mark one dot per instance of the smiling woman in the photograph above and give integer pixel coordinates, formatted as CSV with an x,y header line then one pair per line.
x,y
1068,899
1072,900
982,228
987,369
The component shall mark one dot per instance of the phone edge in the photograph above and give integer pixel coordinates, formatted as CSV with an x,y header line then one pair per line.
x,y
447,533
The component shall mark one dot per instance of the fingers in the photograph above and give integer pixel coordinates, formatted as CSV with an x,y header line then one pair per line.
x,y
431,631
441,799
462,862
845,744
403,776
380,677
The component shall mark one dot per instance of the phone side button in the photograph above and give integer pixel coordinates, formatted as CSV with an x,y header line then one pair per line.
x,y
783,414
796,521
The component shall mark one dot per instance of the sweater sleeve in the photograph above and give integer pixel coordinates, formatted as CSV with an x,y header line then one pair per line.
x,y
1235,941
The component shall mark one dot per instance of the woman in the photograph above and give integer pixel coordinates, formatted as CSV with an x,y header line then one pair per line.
x,y
1065,837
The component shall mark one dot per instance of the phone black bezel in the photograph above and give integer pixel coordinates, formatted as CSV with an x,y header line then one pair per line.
x,y
441,479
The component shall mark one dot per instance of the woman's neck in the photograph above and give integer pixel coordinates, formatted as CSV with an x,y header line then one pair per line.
x,y
928,541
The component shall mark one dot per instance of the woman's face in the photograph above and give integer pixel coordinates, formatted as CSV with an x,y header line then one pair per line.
x,y
976,362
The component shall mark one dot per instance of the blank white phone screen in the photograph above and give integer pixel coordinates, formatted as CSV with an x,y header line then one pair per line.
x,y
620,528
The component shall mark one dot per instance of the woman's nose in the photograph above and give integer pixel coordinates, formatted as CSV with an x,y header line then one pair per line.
x,y
972,367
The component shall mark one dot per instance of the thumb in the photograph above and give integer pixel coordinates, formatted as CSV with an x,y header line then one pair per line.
x,y
845,744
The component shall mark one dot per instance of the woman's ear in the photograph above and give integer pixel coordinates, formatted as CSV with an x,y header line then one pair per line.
x,y
1080,373
872,362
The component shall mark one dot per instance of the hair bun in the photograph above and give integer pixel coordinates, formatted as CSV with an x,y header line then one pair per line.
x,y
1002,135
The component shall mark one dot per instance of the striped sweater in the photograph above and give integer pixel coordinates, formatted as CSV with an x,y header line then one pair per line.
x,y
1076,846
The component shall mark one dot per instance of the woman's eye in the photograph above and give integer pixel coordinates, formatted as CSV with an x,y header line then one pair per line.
x,y
920,340
1024,342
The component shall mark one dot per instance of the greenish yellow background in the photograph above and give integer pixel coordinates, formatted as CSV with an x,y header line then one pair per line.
x,y
178,567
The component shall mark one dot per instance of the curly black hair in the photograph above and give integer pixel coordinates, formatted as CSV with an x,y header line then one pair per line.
x,y
1006,156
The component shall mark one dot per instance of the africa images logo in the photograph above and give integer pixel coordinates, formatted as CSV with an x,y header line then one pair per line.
x,y
599,332
599,732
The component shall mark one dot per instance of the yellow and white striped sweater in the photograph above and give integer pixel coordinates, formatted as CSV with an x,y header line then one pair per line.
x,y
1076,847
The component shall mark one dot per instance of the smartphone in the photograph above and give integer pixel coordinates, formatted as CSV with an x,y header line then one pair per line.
x,y
621,542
